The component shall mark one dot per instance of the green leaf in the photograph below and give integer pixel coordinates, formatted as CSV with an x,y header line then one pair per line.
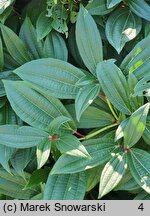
x,y
138,60
13,186
43,107
143,87
85,97
29,36
88,40
112,3
99,150
15,45
43,26
142,196
43,153
91,118
138,161
70,145
112,174
58,124
55,47
5,155
135,126
37,177
121,27
98,8
119,132
21,137
146,133
114,85
140,8
21,159
57,77
65,187
1,55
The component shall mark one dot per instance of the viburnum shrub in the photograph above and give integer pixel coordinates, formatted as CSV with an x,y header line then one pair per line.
x,y
75,99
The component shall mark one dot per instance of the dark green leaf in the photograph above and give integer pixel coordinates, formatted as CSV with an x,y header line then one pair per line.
x,y
98,8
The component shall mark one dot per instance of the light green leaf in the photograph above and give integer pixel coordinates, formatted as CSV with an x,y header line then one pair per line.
x,y
21,137
138,60
55,47
43,152
15,46
95,7
121,27
55,76
146,133
43,26
135,126
140,8
91,118
138,161
13,185
65,187
88,40
112,174
99,150
70,145
112,3
36,108
29,36
143,87
5,155
21,159
114,85
119,132
85,97
58,124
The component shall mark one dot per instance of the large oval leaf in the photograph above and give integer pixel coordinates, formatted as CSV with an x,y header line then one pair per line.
x,y
21,137
36,108
121,27
88,40
97,7
114,85
55,76
65,187
138,161
99,150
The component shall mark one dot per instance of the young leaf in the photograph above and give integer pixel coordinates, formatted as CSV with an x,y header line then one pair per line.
x,y
55,47
15,46
70,145
114,85
42,153
57,77
140,8
140,167
98,8
58,124
112,174
121,27
29,36
21,159
99,150
88,34
135,126
112,3
119,132
91,118
21,137
65,187
43,26
43,107
138,60
85,97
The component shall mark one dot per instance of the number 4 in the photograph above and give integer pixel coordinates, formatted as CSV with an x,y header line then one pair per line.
x,y
141,207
